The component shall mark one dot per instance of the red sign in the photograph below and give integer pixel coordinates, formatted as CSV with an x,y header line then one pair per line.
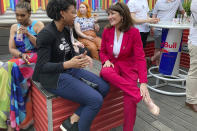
x,y
167,45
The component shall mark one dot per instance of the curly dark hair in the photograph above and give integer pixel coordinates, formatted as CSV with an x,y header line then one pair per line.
x,y
124,11
55,6
27,1
24,4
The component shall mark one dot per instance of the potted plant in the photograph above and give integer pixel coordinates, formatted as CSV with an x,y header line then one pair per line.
x,y
186,6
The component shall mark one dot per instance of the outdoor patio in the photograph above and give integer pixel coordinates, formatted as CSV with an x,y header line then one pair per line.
x,y
174,116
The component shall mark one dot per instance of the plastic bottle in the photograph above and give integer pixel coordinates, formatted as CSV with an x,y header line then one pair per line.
x,y
19,35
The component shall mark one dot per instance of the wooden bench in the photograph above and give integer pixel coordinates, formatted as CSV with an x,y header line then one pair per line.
x,y
50,111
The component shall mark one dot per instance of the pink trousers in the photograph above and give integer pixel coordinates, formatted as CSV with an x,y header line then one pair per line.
x,y
132,96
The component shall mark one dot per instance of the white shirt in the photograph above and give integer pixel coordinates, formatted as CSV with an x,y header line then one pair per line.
x,y
117,44
165,10
193,29
141,9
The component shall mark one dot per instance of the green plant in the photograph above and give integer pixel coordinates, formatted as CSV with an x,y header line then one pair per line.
x,y
186,6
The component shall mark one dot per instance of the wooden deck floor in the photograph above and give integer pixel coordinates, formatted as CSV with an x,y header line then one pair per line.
x,y
174,115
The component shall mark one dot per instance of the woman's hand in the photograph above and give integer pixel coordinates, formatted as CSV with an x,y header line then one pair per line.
x,y
144,92
153,20
108,64
90,62
79,61
96,27
26,58
79,44
23,30
90,38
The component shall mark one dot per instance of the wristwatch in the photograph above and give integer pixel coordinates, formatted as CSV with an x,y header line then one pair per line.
x,y
21,55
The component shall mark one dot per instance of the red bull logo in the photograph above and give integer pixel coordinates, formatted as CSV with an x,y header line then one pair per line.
x,y
166,45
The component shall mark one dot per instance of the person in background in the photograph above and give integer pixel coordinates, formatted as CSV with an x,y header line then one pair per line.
x,y
139,13
164,10
60,72
86,28
123,62
191,82
22,46
78,46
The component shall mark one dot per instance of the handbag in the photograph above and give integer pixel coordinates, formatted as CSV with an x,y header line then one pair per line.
x,y
89,83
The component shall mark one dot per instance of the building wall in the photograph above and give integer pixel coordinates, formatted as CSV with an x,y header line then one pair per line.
x,y
4,37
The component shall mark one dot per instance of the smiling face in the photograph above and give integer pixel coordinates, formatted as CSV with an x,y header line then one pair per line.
x,y
114,18
69,15
83,9
22,16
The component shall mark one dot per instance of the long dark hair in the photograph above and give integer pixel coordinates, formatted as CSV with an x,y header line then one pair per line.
x,y
124,11
55,6
24,4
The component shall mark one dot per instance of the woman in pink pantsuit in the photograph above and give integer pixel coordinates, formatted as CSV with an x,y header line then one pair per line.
x,y
123,61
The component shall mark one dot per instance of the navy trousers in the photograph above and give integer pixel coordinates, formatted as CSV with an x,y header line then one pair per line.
x,y
72,88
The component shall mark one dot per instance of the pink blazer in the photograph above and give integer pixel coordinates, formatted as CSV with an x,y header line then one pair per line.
x,y
131,58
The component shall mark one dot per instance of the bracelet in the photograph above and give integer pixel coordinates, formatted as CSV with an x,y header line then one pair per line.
x,y
21,55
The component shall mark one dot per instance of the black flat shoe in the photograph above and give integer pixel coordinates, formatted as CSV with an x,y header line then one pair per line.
x,y
67,126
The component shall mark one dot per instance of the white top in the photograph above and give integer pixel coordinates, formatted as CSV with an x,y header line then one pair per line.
x,y
165,10
193,29
141,9
117,44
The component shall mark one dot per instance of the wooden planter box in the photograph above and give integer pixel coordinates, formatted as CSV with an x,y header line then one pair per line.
x,y
50,111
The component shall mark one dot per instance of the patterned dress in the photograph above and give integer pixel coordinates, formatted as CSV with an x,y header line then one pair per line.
x,y
18,82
